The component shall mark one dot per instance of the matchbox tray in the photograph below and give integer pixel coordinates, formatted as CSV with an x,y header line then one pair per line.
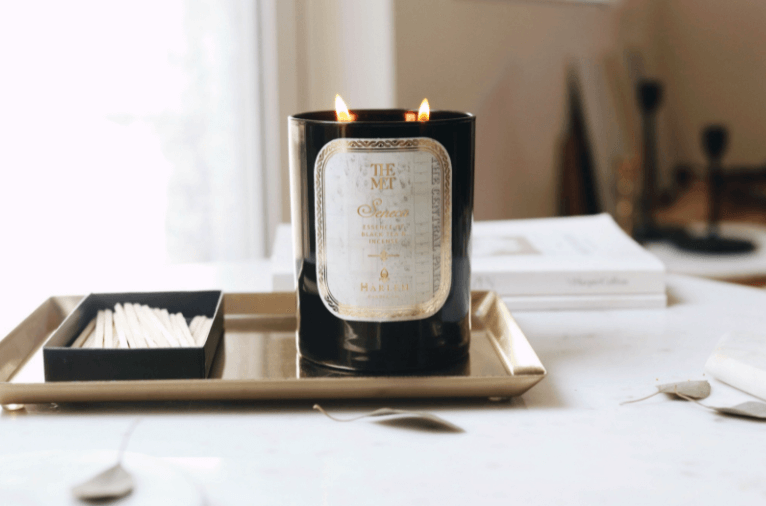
x,y
257,359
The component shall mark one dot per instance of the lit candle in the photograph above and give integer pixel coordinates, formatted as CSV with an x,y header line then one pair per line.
x,y
382,205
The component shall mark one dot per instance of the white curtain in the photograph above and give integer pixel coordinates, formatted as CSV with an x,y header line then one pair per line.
x,y
129,133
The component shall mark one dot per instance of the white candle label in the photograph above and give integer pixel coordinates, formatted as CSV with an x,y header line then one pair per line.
x,y
383,228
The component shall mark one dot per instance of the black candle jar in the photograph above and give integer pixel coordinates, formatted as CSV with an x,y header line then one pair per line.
x,y
381,214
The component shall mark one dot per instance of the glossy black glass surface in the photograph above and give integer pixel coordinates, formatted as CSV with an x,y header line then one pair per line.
x,y
386,347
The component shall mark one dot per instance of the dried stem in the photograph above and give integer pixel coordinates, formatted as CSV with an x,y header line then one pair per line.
x,y
328,415
641,399
682,396
126,439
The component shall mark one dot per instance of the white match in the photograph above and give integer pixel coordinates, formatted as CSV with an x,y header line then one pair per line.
x,y
203,330
169,336
184,329
108,326
123,328
139,326
135,327
98,341
194,325
167,321
84,334
149,322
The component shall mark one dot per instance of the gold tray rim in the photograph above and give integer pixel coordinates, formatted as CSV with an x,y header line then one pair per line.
x,y
489,312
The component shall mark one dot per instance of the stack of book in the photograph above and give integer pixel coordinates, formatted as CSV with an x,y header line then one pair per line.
x,y
582,262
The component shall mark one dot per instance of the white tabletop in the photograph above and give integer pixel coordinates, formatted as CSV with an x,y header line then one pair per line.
x,y
566,441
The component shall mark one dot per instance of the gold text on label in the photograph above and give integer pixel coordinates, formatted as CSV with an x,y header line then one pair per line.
x,y
379,176
372,211
388,287
384,255
384,176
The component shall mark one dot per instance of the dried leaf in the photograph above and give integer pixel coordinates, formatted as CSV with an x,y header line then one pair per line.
x,y
750,409
683,389
112,483
693,389
403,418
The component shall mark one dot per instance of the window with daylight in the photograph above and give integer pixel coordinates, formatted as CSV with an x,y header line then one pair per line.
x,y
131,133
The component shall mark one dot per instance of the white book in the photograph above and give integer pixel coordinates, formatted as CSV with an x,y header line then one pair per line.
x,y
572,256
577,302
583,262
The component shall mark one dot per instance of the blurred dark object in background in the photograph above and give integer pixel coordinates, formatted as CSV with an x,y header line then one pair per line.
x,y
578,194
715,139
649,94
714,144
652,212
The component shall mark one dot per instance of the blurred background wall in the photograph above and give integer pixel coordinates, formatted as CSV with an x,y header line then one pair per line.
x,y
507,62
713,60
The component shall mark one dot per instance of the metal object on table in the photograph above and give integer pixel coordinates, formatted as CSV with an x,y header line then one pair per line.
x,y
649,99
257,359
714,142
646,229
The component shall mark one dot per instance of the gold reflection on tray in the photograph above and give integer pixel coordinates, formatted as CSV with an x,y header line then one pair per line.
x,y
251,354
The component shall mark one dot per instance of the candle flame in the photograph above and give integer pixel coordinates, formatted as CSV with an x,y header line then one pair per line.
x,y
341,111
425,110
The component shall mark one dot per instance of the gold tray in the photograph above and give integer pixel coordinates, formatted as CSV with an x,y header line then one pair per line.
x,y
257,360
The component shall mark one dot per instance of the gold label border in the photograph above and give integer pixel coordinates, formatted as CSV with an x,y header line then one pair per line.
x,y
393,313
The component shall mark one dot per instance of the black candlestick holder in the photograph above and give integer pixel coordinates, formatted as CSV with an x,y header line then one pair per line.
x,y
649,95
714,143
